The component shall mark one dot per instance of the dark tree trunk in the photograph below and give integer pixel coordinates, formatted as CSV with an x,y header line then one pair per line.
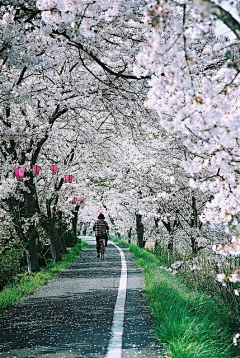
x,y
49,227
31,250
140,230
61,232
52,233
194,245
62,244
75,220
194,216
130,235
194,223
170,243
54,245
170,229
156,222
31,235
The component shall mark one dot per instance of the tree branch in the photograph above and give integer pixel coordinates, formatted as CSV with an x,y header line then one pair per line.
x,y
97,60
223,15
21,76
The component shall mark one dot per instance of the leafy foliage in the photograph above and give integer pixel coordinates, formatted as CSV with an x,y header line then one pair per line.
x,y
10,265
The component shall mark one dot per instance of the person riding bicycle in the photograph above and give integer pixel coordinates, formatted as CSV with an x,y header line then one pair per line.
x,y
101,229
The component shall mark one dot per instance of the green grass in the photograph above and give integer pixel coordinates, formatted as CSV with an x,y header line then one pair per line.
x,y
28,284
191,324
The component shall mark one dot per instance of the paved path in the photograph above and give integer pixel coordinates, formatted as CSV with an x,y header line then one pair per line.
x,y
72,316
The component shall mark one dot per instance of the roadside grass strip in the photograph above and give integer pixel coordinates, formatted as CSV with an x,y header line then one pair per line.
x,y
191,324
29,283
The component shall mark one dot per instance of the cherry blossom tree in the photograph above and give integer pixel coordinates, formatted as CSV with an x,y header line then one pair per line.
x,y
194,88
44,90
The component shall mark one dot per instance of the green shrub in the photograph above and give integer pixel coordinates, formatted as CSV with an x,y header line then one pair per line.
x,y
10,265
70,239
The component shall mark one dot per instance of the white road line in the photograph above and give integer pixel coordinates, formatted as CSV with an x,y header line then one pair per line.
x,y
115,344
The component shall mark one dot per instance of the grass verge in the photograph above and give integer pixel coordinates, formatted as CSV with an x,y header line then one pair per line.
x,y
191,324
28,284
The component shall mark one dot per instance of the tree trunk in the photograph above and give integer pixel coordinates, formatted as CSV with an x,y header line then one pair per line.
x,y
49,227
194,223
130,235
54,245
156,222
31,235
194,216
170,243
31,249
75,220
194,245
170,229
60,232
140,230
61,242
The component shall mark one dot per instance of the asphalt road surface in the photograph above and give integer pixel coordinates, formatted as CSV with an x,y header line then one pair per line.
x,y
94,309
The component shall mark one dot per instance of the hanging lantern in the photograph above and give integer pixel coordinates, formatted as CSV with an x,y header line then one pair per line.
x,y
35,170
19,173
68,178
54,168
74,200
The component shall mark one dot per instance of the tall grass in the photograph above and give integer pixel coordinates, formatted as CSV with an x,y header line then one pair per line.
x,y
27,284
199,273
191,324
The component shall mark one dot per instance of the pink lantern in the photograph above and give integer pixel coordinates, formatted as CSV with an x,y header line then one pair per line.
x,y
54,168
74,200
81,203
68,178
35,170
19,172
